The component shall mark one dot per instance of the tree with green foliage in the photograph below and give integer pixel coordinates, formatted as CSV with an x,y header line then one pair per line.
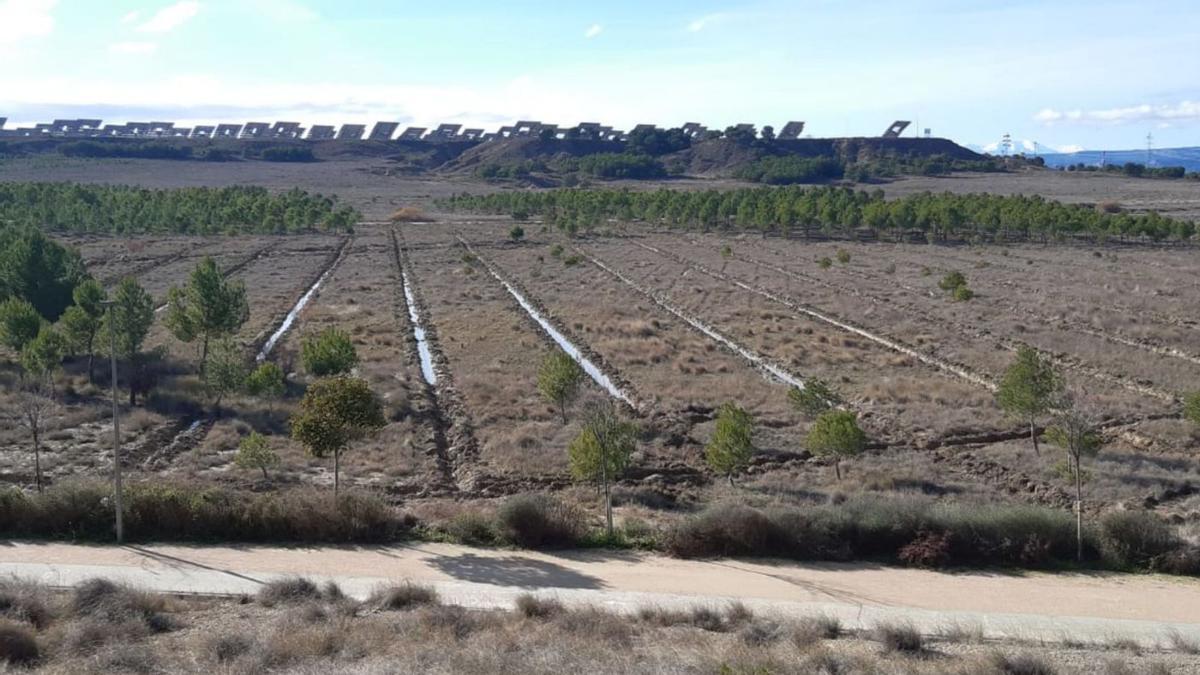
x,y
38,269
330,352
731,446
559,380
334,413
131,314
209,307
836,434
267,381
19,323
81,322
1076,433
814,398
254,452
1029,389
226,372
516,233
602,450
40,359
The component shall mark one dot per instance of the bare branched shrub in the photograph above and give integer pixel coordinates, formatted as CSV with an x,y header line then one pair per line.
x,y
899,637
18,646
288,590
534,607
25,602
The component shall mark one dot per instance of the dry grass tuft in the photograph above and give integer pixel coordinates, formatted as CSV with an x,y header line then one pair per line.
x,y
901,638
18,645
287,591
1021,664
401,597
533,607
409,214
25,602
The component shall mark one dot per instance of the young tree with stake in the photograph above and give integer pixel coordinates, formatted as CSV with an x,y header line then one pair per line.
x,y
836,434
334,413
602,450
40,359
1029,389
82,320
1075,432
559,379
131,313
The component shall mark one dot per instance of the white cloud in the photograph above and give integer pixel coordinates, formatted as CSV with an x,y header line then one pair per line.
x,y
171,17
1068,149
133,48
705,21
132,16
24,19
1184,111
593,30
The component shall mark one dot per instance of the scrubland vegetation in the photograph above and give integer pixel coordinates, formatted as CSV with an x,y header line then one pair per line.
x,y
298,625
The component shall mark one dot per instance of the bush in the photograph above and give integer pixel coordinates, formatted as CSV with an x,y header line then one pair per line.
x,y
331,352
1135,538
963,294
288,154
25,602
952,281
825,263
114,604
516,233
929,549
400,597
471,528
724,530
170,512
1191,407
266,381
1022,664
899,637
533,607
539,521
843,256
287,591
18,646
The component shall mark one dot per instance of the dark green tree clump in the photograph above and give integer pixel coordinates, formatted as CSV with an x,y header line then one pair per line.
x,y
37,269
1029,389
70,207
832,210
836,434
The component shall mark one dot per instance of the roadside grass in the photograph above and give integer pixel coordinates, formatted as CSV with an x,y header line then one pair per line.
x,y
298,626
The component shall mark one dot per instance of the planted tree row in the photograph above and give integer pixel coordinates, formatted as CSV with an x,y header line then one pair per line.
x,y
118,209
833,211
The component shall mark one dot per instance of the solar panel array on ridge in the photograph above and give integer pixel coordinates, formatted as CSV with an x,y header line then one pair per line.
x,y
384,131
412,134
351,132
321,132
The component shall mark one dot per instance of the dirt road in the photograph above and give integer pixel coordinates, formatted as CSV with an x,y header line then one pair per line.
x,y
1038,606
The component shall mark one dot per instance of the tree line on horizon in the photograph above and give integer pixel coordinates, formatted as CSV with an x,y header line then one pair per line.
x,y
121,209
832,211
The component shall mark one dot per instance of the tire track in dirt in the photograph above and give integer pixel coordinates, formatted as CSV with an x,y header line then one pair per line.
x,y
455,447
264,343
237,267
602,373
148,267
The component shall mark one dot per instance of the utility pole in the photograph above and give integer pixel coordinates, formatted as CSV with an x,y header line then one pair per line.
x,y
118,497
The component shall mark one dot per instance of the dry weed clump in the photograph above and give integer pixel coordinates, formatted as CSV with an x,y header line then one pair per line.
x,y
18,644
402,597
409,214
289,590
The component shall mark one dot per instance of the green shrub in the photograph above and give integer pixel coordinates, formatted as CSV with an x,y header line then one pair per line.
x,y
952,281
330,352
266,381
843,256
1135,538
815,398
1191,407
516,233
963,294
556,251
572,260
472,528
825,263
539,521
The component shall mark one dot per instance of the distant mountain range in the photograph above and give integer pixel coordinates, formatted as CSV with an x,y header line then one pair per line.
x,y
1188,158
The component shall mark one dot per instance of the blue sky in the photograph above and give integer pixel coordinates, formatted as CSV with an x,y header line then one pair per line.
x,y
1070,73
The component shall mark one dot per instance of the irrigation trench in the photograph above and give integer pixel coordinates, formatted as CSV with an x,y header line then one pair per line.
x,y
291,316
455,447
593,371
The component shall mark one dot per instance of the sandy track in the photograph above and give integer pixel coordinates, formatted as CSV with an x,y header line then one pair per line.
x,y
1044,606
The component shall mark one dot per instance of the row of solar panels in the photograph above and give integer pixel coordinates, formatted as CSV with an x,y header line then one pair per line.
x,y
382,131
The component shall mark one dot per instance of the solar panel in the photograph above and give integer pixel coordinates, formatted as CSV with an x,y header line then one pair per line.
x,y
413,134
643,127
896,129
791,131
383,131
320,132
89,124
526,127
2,121
180,132
286,130
227,131
203,131
744,126
472,134
255,130
351,132
445,132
